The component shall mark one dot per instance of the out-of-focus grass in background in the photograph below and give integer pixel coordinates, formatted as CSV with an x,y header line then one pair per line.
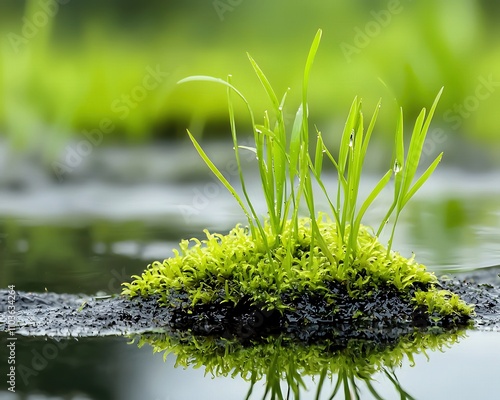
x,y
68,65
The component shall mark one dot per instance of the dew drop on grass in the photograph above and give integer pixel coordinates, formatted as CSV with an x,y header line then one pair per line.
x,y
397,167
351,139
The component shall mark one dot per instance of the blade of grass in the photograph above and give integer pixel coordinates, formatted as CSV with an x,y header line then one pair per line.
x,y
309,62
321,381
232,123
337,387
382,183
265,82
370,129
318,157
423,178
295,140
398,166
411,164
221,177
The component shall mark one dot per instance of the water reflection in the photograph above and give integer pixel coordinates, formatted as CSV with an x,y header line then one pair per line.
x,y
342,369
456,232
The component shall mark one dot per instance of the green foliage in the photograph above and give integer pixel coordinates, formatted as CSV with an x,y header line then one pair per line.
x,y
286,253
233,267
67,76
282,360
285,158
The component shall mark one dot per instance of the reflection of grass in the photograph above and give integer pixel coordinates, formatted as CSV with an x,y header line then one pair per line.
x,y
278,360
290,254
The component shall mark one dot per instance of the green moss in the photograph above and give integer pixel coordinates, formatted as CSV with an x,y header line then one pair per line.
x,y
284,257
234,267
282,359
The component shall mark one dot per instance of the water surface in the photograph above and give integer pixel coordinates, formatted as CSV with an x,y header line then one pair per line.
x,y
88,234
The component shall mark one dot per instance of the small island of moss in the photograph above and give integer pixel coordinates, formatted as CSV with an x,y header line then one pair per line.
x,y
320,269
234,269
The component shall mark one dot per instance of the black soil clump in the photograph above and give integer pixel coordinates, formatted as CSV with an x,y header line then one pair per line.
x,y
383,315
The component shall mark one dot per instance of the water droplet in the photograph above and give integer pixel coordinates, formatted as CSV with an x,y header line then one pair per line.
x,y
397,167
351,139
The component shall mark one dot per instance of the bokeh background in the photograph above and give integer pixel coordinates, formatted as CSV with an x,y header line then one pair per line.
x,y
98,177
68,65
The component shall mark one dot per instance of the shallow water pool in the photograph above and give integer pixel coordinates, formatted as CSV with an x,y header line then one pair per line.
x,y
87,236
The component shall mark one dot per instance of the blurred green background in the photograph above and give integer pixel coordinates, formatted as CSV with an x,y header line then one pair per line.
x,y
106,72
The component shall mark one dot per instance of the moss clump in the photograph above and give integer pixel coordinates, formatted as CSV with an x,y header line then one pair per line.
x,y
277,264
235,268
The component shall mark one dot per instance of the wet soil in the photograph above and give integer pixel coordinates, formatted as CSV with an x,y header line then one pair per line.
x,y
383,316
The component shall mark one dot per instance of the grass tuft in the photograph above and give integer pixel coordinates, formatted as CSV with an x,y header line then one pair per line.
x,y
286,252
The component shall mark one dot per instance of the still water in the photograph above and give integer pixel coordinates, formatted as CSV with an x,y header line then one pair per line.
x,y
93,230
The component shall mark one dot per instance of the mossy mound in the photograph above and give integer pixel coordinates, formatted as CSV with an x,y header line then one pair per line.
x,y
233,269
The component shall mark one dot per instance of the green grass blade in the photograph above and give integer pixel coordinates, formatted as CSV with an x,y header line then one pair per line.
x,y
431,112
330,203
265,82
204,78
417,143
345,148
318,157
356,165
398,166
370,129
221,177
309,62
251,149
337,387
321,381
256,221
372,390
295,141
346,135
382,183
330,157
413,157
399,160
425,176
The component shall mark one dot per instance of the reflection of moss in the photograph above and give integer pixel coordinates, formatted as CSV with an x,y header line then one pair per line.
x,y
281,358
233,268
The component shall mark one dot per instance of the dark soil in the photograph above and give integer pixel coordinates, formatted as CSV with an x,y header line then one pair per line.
x,y
383,316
